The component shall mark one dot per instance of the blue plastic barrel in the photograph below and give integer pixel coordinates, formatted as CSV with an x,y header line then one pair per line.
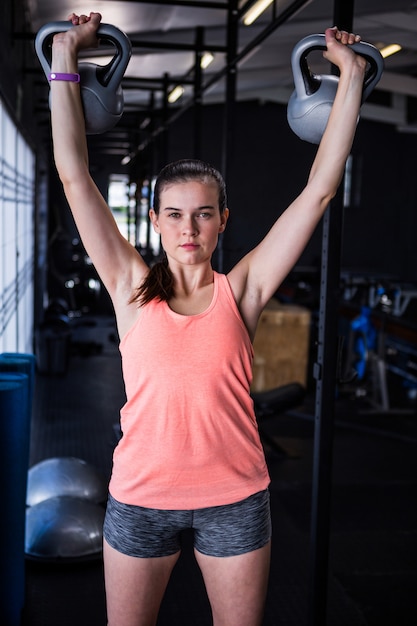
x,y
20,362
14,460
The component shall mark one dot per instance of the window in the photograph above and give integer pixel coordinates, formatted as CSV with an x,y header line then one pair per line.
x,y
16,238
130,206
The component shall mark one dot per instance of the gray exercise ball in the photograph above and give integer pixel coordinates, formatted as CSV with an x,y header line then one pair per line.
x,y
64,527
65,476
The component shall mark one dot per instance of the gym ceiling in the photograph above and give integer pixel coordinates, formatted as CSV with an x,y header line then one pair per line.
x,y
169,37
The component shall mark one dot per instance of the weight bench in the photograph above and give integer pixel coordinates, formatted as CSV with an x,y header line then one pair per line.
x,y
273,402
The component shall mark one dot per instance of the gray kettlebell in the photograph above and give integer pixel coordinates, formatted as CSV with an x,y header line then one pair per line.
x,y
101,91
310,104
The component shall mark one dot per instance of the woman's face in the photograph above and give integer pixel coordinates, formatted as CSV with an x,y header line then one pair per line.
x,y
189,221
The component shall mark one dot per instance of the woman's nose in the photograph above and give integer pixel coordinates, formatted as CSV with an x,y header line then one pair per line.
x,y
189,226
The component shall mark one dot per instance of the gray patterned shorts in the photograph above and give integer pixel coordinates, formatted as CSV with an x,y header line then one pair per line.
x,y
219,531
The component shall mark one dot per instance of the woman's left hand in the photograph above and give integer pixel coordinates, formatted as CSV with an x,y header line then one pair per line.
x,y
84,35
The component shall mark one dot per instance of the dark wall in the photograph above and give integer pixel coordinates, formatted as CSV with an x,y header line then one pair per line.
x,y
269,166
380,230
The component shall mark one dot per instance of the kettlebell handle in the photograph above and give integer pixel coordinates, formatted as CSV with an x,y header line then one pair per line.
x,y
111,73
305,81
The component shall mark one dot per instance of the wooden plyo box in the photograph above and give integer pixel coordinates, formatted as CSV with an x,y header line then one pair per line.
x,y
281,346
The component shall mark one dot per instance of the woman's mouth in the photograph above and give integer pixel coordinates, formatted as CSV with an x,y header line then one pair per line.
x,y
189,246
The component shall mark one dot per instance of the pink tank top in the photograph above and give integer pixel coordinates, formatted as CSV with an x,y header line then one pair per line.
x,y
190,438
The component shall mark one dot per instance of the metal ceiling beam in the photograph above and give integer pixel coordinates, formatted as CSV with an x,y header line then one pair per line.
x,y
232,63
178,47
202,4
296,6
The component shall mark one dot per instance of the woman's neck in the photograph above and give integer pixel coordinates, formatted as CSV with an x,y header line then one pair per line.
x,y
193,292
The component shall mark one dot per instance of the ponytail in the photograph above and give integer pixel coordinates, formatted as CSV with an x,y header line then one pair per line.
x,y
157,284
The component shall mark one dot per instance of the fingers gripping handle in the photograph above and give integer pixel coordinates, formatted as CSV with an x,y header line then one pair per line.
x,y
303,79
310,104
101,91
117,66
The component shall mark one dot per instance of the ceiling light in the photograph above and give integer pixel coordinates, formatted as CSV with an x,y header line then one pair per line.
x,y
391,49
175,94
206,59
255,11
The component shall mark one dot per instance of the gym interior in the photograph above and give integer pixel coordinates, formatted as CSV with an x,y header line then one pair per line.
x,y
335,369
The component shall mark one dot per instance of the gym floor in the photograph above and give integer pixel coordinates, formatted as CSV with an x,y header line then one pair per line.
x,y
373,553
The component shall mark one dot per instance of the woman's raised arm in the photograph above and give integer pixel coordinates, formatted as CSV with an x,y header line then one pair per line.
x,y
118,264
258,275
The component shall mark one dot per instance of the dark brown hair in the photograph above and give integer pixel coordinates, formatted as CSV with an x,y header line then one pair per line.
x,y
159,282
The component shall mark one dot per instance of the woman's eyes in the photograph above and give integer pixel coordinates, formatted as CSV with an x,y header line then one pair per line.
x,y
202,214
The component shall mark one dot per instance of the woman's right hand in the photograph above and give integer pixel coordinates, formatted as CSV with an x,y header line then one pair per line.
x,y
85,33
338,51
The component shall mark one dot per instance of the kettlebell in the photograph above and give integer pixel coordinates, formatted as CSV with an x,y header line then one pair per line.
x,y
101,91
310,104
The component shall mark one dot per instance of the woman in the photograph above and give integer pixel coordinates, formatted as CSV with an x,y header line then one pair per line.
x,y
190,455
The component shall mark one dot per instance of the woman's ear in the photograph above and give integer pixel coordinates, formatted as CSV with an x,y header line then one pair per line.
x,y
223,220
154,219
